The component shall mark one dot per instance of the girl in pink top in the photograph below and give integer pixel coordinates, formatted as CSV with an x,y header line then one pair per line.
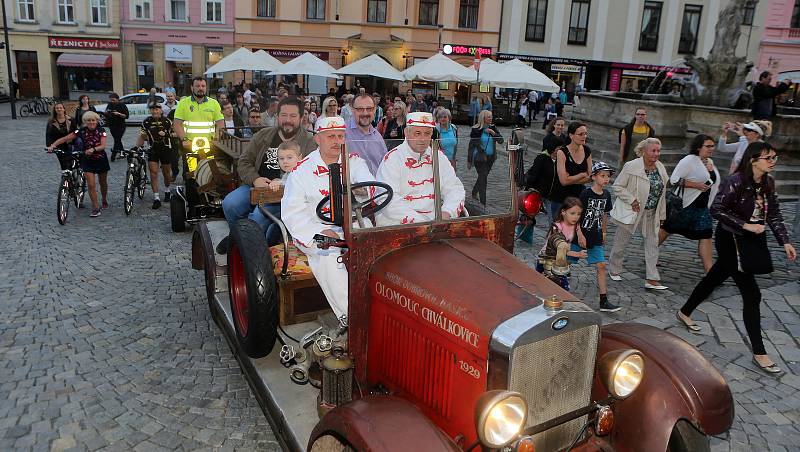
x,y
563,232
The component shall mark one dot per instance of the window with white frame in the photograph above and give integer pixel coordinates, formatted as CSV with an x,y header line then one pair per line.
x,y
99,12
25,11
266,8
315,9
214,10
177,10
141,9
66,11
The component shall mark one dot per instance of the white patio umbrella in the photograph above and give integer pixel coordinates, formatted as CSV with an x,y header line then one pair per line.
x,y
487,66
240,60
516,74
265,61
307,64
372,65
438,68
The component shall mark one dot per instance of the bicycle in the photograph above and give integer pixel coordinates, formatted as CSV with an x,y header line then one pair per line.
x,y
72,185
136,175
38,106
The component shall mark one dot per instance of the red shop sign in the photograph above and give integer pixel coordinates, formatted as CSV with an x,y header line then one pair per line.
x,y
456,49
58,42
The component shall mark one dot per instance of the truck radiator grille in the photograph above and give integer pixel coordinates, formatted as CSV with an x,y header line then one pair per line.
x,y
555,376
418,366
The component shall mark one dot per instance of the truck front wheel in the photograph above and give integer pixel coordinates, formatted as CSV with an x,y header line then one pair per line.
x,y
330,443
686,438
253,289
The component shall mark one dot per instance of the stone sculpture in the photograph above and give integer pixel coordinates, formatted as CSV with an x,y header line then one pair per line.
x,y
720,79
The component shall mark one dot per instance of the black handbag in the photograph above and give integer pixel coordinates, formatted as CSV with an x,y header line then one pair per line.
x,y
752,253
675,201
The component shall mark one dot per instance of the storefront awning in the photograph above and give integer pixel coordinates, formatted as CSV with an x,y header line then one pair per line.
x,y
83,60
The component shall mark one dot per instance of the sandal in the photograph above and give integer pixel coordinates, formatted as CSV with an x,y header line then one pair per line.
x,y
692,327
770,369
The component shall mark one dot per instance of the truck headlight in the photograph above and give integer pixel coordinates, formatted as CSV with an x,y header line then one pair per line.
x,y
621,371
499,417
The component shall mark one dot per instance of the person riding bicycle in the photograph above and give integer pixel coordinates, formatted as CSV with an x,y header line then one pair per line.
x,y
94,161
157,130
59,126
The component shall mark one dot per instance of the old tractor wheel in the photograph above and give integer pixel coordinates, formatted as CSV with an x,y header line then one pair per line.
x,y
330,443
253,289
177,213
686,438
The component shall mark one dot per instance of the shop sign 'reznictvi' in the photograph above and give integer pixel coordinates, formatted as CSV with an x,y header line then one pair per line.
x,y
60,42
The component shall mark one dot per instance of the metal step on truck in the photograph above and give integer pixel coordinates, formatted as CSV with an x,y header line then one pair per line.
x,y
450,342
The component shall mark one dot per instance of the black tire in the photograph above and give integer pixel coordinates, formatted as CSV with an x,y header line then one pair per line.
x,y
63,201
25,111
142,181
128,193
686,438
177,213
253,289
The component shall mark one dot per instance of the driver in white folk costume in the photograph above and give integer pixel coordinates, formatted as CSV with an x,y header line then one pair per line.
x,y
304,189
408,169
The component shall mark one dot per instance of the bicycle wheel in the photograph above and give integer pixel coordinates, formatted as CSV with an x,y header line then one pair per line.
x,y
80,187
142,180
62,208
38,107
25,110
129,189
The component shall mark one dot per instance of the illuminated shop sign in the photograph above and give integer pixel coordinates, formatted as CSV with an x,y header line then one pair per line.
x,y
456,49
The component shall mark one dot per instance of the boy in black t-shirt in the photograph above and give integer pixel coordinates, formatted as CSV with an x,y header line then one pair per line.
x,y
596,205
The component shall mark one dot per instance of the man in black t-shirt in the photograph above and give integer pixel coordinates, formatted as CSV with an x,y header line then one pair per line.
x,y
596,202
157,130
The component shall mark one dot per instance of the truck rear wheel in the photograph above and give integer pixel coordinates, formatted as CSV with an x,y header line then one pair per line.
x,y
686,438
330,443
253,289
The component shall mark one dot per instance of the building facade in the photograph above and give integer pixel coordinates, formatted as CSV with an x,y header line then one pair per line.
x,y
64,48
340,32
618,44
167,42
779,51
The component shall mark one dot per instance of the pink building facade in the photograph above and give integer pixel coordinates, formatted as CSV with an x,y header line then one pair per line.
x,y
780,42
167,42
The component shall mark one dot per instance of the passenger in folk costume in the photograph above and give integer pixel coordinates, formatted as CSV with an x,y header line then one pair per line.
x,y
408,169
305,188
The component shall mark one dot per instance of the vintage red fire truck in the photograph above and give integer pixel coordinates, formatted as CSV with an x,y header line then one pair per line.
x,y
452,343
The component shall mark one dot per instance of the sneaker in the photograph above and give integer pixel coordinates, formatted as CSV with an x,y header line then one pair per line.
x,y
649,286
156,204
222,246
615,277
167,195
607,306
104,206
95,213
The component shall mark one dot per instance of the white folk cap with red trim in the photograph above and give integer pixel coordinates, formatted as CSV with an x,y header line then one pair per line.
x,y
329,123
420,119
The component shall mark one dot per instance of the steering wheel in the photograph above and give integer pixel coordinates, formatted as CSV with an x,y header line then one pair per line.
x,y
361,209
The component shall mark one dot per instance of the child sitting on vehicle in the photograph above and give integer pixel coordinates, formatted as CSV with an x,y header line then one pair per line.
x,y
289,153
552,260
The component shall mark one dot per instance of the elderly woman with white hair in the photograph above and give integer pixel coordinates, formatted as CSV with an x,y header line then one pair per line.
x,y
641,204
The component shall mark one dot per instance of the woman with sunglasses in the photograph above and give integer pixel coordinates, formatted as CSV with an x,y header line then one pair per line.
x,y
748,133
746,204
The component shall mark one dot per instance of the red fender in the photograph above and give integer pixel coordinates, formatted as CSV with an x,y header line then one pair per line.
x,y
679,383
382,424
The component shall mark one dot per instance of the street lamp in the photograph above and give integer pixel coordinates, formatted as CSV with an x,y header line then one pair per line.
x,y
7,46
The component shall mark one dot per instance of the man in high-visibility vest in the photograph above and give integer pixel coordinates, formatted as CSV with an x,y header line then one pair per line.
x,y
197,115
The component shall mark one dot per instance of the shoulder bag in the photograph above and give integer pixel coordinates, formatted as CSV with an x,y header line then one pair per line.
x,y
675,201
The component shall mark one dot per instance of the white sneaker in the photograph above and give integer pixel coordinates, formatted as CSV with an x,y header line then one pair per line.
x,y
647,285
615,277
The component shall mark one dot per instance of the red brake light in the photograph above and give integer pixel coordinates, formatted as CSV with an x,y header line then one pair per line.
x,y
531,203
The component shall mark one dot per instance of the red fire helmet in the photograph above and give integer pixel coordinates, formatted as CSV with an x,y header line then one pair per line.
x,y
530,202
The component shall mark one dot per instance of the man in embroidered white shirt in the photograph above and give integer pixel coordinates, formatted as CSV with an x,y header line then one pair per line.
x,y
305,188
408,169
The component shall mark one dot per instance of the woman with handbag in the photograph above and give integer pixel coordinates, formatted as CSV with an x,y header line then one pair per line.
x,y
695,182
483,138
745,205
641,203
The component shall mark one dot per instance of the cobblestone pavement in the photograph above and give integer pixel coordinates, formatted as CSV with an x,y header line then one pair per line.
x,y
106,341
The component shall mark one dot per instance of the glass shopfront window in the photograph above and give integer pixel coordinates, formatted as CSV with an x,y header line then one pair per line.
x,y
213,56
144,66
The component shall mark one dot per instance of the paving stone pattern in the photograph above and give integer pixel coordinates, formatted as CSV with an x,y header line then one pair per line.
x,y
106,342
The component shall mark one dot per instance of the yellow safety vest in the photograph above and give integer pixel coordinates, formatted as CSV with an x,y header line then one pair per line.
x,y
198,118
